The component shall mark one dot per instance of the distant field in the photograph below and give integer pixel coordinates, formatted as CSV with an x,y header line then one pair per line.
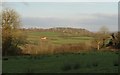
x,y
56,37
90,62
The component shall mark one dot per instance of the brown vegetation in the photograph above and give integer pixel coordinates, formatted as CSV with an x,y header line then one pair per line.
x,y
49,48
73,48
12,37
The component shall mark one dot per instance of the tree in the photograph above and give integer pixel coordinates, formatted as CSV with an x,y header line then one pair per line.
x,y
104,30
116,40
12,37
101,36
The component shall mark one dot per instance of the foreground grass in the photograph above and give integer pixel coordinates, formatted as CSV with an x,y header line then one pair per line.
x,y
90,62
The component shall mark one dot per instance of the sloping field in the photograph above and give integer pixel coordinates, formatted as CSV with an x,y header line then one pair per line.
x,y
56,37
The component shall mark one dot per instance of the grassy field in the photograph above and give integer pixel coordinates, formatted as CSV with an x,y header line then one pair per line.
x,y
80,62
90,62
55,42
56,37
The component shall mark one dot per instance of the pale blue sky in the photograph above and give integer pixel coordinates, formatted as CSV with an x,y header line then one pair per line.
x,y
88,15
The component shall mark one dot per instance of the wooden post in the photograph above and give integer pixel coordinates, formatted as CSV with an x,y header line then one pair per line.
x,y
98,45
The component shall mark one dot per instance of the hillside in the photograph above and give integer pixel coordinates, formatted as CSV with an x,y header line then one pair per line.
x,y
65,31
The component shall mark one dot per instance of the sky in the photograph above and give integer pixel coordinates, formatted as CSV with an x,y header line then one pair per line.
x,y
88,15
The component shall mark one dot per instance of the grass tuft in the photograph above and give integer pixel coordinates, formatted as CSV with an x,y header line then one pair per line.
x,y
66,67
115,63
76,66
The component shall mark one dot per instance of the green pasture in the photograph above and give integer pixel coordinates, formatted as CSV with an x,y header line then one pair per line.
x,y
89,62
40,34
56,37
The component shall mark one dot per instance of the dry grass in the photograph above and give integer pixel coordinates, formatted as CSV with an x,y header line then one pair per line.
x,y
74,48
46,47
42,48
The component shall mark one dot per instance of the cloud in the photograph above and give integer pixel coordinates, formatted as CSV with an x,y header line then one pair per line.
x,y
101,19
13,4
89,21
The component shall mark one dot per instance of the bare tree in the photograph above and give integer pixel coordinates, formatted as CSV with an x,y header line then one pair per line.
x,y
104,30
101,36
11,34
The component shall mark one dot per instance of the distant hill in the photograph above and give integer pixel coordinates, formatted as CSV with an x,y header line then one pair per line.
x,y
65,31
